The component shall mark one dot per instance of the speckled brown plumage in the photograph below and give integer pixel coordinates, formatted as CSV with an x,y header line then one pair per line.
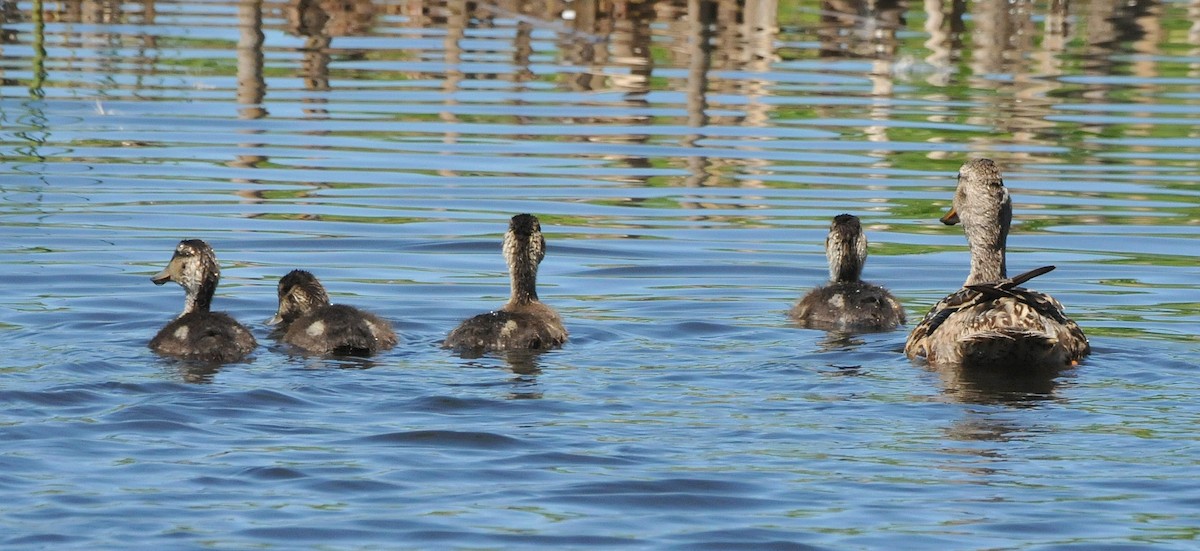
x,y
848,303
199,334
309,322
993,322
524,322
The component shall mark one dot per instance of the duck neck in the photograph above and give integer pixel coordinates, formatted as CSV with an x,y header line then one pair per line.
x,y
846,254
846,270
987,266
988,242
524,283
200,298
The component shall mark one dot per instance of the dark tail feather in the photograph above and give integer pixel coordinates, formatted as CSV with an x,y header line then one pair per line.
x,y
1031,274
1005,288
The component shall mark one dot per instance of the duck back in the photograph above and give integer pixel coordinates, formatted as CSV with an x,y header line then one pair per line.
x,y
532,327
340,329
999,325
205,337
849,306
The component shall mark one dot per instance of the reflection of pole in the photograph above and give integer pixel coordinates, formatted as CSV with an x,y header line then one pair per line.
x,y
1193,36
313,20
36,119
759,28
252,88
938,43
700,23
522,54
760,25
702,17
457,20
583,49
1056,27
39,51
149,17
315,64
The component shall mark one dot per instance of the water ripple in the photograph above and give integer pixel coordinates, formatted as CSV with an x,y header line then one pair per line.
x,y
685,171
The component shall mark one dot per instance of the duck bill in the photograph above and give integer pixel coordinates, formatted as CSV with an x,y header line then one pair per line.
x,y
951,217
162,277
275,320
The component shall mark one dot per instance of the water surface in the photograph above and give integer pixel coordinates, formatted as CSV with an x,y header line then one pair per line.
x,y
685,162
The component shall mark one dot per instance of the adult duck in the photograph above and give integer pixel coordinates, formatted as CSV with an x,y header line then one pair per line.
x,y
993,322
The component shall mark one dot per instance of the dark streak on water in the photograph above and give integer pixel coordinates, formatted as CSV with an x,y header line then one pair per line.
x,y
385,149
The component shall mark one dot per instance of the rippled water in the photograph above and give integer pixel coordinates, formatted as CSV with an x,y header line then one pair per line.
x,y
685,162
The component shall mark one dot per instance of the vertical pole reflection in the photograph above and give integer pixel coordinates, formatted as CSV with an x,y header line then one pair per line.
x,y
1037,90
886,20
457,19
701,19
938,43
941,57
759,28
523,52
1147,17
251,85
313,21
630,46
1193,39
36,119
39,51
586,46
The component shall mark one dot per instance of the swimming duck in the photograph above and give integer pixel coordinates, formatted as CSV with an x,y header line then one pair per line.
x,y
524,322
199,334
308,321
993,322
848,303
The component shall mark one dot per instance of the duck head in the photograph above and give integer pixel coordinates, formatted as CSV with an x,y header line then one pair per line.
x,y
984,208
299,293
194,267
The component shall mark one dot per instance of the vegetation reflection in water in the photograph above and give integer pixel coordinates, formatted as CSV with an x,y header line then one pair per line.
x,y
685,159
912,99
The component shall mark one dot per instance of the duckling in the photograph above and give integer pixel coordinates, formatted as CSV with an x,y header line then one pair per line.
x,y
524,322
848,303
199,334
308,321
992,322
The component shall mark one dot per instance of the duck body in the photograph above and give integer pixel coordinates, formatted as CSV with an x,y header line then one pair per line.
x,y
530,327
340,329
309,322
999,326
849,306
209,337
993,322
847,303
199,334
524,323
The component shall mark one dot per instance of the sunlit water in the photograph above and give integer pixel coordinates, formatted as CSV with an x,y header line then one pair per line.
x,y
685,192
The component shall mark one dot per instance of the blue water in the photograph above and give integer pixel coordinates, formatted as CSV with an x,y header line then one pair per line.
x,y
385,152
